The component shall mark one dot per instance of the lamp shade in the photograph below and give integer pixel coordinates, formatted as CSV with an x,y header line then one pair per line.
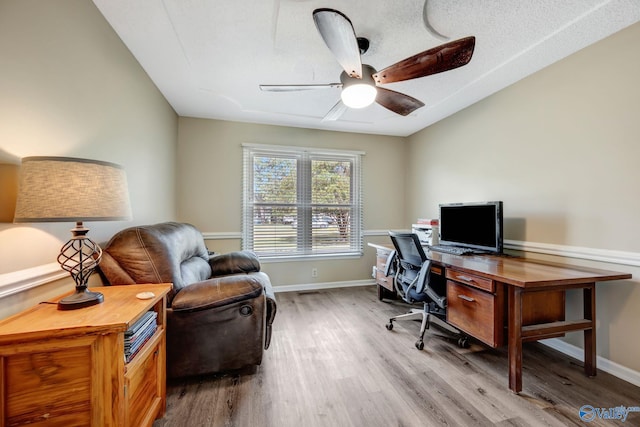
x,y
60,189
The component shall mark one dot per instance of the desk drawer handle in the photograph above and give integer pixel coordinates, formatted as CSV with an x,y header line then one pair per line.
x,y
467,279
466,298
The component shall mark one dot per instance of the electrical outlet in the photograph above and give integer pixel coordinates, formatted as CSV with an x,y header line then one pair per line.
x,y
314,272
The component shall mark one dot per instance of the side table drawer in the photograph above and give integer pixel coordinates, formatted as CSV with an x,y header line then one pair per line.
x,y
475,312
37,378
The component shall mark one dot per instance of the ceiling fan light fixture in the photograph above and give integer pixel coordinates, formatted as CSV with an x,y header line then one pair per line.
x,y
358,95
359,92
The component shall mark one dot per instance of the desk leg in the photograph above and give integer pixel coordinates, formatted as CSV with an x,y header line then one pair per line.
x,y
515,338
589,300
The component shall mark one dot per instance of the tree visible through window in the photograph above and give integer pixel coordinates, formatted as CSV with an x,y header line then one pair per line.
x,y
299,202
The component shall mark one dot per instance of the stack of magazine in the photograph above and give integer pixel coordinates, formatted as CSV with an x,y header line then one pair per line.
x,y
138,334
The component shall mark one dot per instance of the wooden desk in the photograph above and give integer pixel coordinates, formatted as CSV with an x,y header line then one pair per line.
x,y
535,299
68,367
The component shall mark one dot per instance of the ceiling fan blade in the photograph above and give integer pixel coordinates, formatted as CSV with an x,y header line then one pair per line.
x,y
436,60
293,88
336,112
397,102
337,32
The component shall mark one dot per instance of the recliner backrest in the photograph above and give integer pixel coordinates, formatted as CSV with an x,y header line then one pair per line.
x,y
168,252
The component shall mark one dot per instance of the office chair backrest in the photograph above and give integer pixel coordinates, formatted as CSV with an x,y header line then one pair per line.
x,y
409,249
415,267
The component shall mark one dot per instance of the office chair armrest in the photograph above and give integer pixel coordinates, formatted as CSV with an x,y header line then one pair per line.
x,y
390,265
423,276
424,287
440,300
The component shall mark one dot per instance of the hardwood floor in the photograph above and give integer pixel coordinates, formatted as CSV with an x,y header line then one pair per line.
x,y
333,363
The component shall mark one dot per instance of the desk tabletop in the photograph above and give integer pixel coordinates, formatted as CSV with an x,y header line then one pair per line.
x,y
522,272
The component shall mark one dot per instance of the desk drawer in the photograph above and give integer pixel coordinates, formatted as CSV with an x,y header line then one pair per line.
x,y
478,313
384,281
381,264
472,280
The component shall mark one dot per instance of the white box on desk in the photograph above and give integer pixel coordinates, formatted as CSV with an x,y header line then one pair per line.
x,y
428,234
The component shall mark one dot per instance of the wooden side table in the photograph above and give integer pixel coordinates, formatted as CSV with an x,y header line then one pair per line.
x,y
68,367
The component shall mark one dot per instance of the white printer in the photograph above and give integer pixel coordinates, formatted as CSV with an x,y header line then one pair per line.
x,y
428,232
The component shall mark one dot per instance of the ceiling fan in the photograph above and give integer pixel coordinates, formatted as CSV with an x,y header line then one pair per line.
x,y
360,83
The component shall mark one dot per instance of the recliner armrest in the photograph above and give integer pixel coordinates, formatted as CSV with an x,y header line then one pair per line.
x,y
272,307
234,263
217,292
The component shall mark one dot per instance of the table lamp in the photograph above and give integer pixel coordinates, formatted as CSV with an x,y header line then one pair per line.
x,y
60,189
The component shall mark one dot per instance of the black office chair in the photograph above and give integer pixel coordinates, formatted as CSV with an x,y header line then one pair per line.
x,y
412,282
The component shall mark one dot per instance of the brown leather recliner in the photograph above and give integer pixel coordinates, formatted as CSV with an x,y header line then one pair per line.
x,y
221,308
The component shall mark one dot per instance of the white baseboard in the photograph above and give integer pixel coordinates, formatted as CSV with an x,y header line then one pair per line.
x,y
606,365
325,285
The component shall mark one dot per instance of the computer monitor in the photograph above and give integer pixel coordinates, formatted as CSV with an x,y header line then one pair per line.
x,y
475,225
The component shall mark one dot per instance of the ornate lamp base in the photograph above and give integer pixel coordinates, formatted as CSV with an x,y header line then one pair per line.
x,y
80,299
80,257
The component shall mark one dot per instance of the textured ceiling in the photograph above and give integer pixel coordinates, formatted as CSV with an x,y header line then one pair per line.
x,y
209,57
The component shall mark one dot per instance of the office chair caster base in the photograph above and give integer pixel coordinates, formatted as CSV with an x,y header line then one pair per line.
x,y
463,342
389,326
419,344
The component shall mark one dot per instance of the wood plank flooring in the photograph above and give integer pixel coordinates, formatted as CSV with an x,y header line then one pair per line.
x,y
333,363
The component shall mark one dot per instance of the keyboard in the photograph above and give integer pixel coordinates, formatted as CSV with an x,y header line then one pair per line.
x,y
453,250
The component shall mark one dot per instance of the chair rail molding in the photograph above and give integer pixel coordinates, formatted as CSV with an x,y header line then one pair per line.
x,y
22,280
368,233
222,235
18,281
590,254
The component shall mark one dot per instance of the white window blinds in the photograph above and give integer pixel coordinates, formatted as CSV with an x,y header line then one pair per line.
x,y
301,202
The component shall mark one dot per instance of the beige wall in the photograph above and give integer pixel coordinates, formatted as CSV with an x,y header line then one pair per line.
x,y
69,87
561,149
210,187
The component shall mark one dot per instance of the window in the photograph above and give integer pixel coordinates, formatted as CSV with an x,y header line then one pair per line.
x,y
301,202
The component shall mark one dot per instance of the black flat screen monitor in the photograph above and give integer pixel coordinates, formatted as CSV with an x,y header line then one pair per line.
x,y
472,225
